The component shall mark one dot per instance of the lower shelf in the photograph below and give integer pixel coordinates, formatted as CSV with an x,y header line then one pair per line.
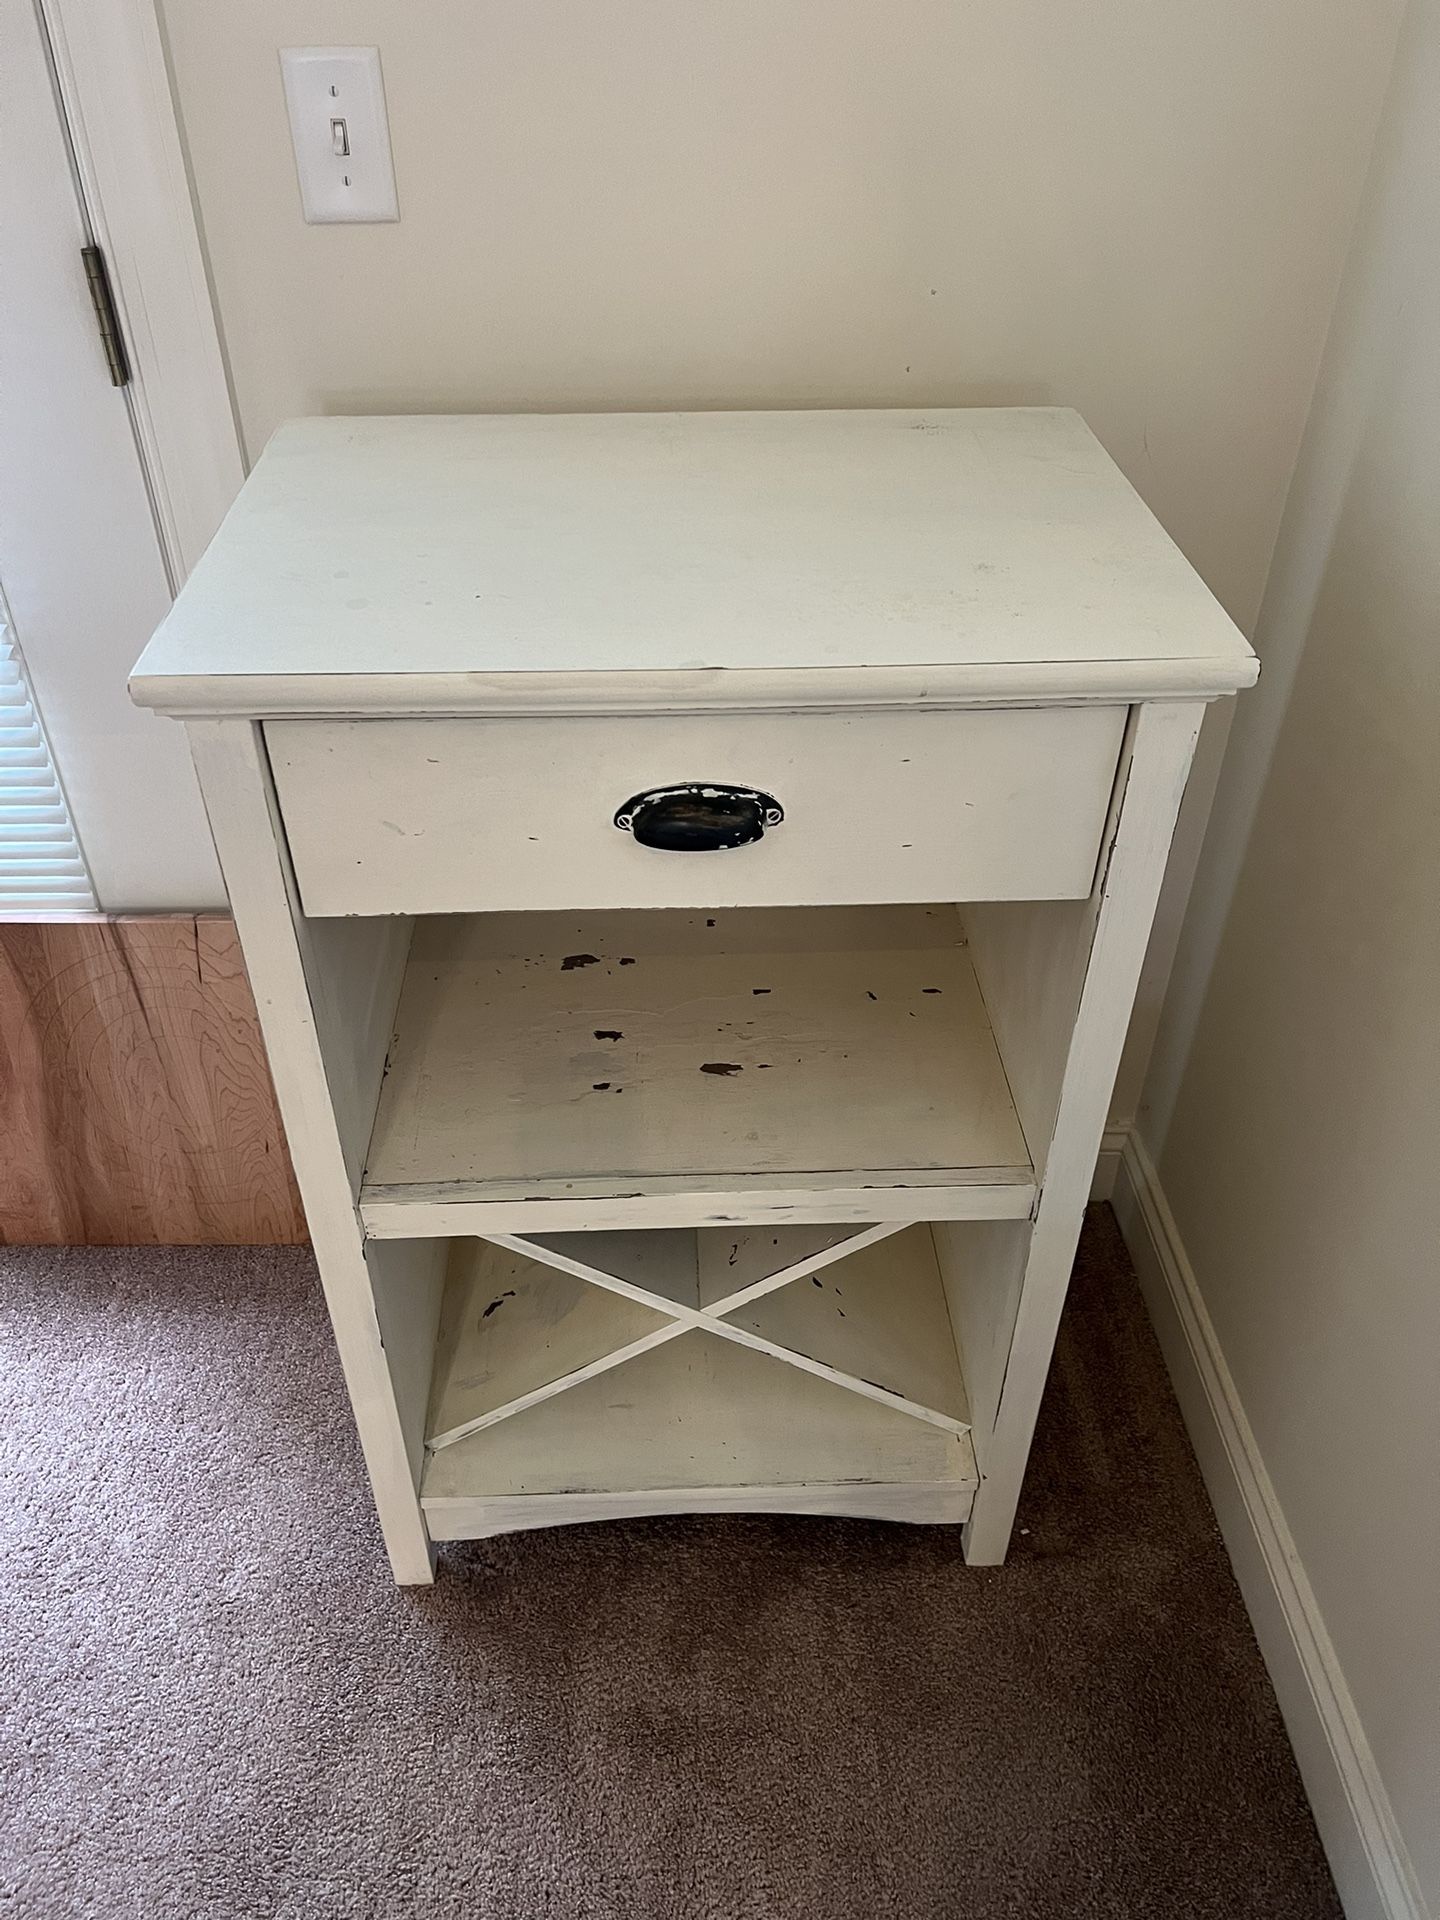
x,y
699,1424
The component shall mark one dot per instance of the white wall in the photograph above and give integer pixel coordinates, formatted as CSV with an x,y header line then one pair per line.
x,y
1138,210
1294,1101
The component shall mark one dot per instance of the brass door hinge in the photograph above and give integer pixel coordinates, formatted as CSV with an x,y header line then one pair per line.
x,y
103,300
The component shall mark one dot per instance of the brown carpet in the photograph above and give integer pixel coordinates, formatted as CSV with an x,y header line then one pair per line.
x,y
215,1704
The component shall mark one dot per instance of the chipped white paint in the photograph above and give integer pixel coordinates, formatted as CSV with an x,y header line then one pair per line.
x,y
738,1267
515,1330
384,1300
520,1206
524,1320
699,1417
626,1062
875,1321
995,550
449,816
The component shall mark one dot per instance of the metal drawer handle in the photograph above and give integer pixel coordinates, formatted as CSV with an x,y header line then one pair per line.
x,y
699,818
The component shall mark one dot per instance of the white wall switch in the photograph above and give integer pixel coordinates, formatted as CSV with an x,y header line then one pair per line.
x,y
336,100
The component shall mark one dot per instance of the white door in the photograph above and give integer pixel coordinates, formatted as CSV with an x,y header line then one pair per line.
x,y
81,565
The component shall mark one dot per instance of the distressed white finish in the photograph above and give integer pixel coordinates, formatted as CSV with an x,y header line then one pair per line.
x,y
518,1206
779,1202
1161,748
355,969
982,1271
739,1266
971,542
447,816
894,1318
659,1267
878,1318
645,1064
516,1329
703,1417
918,1502
679,690
384,1299
1031,959
707,1272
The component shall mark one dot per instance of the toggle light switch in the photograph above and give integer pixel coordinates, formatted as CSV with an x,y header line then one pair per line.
x,y
336,101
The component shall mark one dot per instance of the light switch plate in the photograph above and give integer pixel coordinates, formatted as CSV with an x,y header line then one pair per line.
x,y
336,100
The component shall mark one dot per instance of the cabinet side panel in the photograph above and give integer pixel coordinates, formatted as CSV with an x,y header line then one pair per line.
x,y
982,1267
235,783
1030,958
407,1283
1163,740
354,970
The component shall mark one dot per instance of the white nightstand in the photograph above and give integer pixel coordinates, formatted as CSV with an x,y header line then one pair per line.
x,y
694,872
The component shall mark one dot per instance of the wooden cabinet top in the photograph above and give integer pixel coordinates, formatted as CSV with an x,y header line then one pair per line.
x,y
583,562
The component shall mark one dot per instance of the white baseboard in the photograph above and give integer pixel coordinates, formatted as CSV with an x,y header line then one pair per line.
x,y
1352,1810
1107,1166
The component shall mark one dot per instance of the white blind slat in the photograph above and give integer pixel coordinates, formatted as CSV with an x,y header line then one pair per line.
x,y
17,777
13,817
42,870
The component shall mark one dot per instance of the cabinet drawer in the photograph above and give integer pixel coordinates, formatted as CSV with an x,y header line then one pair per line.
x,y
460,815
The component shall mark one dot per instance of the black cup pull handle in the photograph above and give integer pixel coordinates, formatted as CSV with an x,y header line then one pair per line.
x,y
699,818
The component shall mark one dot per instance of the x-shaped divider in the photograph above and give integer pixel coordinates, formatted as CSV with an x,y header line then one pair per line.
x,y
704,1264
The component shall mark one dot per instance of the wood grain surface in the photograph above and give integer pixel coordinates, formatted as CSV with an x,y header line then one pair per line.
x,y
135,1101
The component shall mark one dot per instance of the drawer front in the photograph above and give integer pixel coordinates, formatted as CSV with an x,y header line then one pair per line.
x,y
456,815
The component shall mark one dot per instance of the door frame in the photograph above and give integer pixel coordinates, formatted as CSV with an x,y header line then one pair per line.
x,y
123,125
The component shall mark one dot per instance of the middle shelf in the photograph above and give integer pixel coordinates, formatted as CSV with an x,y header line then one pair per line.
x,y
655,1069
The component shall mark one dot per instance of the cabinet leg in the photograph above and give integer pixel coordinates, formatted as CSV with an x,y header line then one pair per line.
x,y
412,1554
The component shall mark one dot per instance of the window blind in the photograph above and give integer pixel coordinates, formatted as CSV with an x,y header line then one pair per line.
x,y
42,869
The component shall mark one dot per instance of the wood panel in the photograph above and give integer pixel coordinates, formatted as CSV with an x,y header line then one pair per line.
x,y
135,1101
